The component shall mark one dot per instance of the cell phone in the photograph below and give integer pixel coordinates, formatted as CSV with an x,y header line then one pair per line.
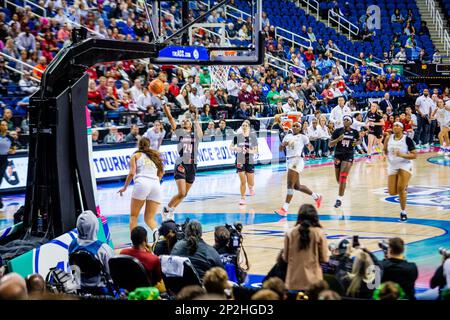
x,y
355,241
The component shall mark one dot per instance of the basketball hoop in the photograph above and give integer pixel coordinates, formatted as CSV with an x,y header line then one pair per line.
x,y
219,74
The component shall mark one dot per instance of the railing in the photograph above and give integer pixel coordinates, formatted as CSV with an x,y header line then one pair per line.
x,y
288,67
291,36
312,7
439,24
29,66
342,23
25,3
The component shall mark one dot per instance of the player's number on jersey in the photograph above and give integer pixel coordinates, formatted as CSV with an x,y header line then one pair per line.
x,y
346,143
187,148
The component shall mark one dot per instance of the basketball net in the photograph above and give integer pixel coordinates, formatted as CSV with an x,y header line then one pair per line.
x,y
219,74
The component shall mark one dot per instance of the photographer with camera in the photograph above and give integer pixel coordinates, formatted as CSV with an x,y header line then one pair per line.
x,y
228,243
396,268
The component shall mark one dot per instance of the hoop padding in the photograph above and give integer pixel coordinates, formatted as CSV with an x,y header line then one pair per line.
x,y
219,74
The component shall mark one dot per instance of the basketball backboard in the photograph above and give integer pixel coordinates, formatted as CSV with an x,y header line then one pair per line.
x,y
206,32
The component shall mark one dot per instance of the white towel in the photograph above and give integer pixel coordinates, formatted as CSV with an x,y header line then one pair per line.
x,y
172,266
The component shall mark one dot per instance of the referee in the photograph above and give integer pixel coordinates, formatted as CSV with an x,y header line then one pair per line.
x,y
7,147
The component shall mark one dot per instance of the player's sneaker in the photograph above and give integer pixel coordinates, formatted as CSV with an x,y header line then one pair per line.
x,y
403,216
281,212
338,203
318,201
441,151
242,202
252,192
165,214
447,152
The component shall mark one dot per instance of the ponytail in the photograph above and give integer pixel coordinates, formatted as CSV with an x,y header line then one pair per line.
x,y
155,156
307,218
193,236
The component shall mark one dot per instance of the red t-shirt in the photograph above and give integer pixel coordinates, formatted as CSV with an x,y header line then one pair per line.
x,y
94,97
406,125
175,90
387,126
150,262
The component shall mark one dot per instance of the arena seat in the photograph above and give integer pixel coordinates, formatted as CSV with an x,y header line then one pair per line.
x,y
128,273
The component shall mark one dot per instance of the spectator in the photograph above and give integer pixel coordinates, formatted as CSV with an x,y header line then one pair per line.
x,y
7,117
389,291
13,287
155,134
401,55
424,31
36,285
215,281
133,136
223,130
87,228
393,84
233,90
202,255
27,85
338,113
142,251
114,136
423,109
210,131
94,137
276,285
167,238
265,294
242,113
397,17
40,67
190,293
311,35
331,46
305,247
411,41
385,103
397,269
359,283
26,41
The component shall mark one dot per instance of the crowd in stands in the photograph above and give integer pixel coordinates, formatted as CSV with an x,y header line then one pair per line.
x,y
307,268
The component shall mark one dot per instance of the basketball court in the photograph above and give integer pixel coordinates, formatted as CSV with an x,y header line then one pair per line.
x,y
367,211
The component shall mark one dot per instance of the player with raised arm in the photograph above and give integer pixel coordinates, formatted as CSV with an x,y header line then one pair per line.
x,y
294,143
188,135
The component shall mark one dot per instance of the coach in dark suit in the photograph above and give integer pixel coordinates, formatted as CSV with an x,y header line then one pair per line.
x,y
386,102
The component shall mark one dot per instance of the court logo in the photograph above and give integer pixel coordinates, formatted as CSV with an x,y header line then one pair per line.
x,y
423,196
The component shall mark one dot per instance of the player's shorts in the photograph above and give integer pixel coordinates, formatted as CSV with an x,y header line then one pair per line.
x,y
186,172
296,164
147,189
377,133
444,124
245,167
391,170
339,158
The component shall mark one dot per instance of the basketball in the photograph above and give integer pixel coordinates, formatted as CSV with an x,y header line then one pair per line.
x,y
156,86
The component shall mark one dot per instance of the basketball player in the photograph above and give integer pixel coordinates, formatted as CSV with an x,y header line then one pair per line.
x,y
294,143
344,139
442,115
400,151
375,124
245,144
186,164
146,168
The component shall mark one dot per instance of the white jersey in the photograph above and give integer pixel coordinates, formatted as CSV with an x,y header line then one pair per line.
x,y
296,143
357,125
443,117
404,145
145,167
337,116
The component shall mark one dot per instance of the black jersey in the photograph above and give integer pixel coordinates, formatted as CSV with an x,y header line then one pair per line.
x,y
245,143
374,117
346,145
187,146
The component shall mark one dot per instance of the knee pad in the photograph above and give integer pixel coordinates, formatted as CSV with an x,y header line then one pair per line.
x,y
290,192
343,177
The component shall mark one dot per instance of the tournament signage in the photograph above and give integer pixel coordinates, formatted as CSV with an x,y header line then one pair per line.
x,y
183,52
113,163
